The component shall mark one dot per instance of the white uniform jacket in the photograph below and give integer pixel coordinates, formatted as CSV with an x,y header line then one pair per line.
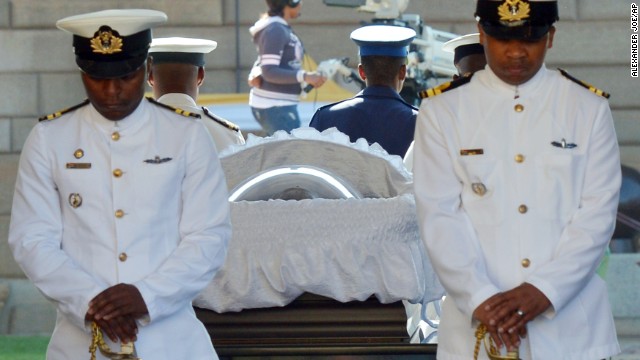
x,y
222,135
520,186
141,201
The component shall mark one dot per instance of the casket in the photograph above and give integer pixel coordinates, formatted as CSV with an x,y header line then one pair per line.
x,y
325,246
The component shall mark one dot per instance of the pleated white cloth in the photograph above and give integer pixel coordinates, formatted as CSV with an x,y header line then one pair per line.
x,y
345,249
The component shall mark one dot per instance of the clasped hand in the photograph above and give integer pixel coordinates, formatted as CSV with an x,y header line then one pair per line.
x,y
506,314
115,310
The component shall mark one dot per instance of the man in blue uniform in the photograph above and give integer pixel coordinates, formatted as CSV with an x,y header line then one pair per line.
x,y
377,113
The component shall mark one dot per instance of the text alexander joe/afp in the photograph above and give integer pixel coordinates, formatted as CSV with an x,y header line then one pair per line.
x,y
634,40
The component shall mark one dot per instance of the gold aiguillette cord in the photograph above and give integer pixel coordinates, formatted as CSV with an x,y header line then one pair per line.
x,y
127,350
489,346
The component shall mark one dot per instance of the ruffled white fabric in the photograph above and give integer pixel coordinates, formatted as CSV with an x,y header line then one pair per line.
x,y
343,249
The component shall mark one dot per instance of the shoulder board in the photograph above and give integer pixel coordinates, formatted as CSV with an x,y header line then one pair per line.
x,y
174,109
584,84
226,123
445,87
62,112
332,104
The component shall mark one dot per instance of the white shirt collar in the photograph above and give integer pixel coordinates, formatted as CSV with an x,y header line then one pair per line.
x,y
179,100
130,123
493,81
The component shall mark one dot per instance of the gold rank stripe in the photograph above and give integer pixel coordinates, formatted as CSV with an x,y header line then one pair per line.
x,y
78,165
174,109
445,87
57,114
226,123
183,112
52,116
585,84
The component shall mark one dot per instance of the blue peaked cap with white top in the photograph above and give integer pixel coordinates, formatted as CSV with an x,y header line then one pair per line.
x,y
383,40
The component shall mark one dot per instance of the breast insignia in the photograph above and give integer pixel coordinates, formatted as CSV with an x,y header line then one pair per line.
x,y
62,112
585,85
226,123
445,87
174,109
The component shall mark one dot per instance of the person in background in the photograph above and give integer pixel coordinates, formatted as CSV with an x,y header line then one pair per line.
x,y
277,77
175,73
468,57
377,113
120,214
468,54
517,179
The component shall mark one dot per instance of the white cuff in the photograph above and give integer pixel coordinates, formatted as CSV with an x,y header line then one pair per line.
x,y
300,76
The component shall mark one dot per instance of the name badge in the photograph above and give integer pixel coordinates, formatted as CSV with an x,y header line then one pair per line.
x,y
467,152
78,165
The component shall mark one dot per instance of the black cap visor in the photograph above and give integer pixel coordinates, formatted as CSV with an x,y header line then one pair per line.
x,y
111,69
525,32
196,59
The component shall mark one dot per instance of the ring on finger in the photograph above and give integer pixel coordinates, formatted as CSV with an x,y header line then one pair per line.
x,y
520,313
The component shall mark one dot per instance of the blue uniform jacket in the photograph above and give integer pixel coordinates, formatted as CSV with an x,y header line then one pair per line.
x,y
377,114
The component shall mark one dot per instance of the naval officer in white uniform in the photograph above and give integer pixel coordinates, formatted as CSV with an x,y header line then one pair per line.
x,y
176,72
120,215
517,176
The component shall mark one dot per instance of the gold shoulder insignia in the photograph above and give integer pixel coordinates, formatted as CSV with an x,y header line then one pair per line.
x,y
445,87
226,123
174,109
585,85
62,112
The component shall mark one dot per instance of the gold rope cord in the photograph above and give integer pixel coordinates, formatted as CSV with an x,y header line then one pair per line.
x,y
127,350
489,346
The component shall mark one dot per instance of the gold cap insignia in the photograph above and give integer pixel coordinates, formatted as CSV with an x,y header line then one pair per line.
x,y
514,10
105,42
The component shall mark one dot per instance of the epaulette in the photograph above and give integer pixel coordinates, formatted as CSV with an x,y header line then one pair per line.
x,y
445,87
62,112
174,109
585,85
226,123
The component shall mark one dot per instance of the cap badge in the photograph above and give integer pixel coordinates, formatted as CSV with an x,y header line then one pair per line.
x,y
106,42
514,10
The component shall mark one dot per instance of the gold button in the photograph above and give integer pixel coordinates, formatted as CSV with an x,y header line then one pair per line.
x,y
522,209
525,263
519,158
519,108
115,136
78,153
122,257
117,173
119,213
